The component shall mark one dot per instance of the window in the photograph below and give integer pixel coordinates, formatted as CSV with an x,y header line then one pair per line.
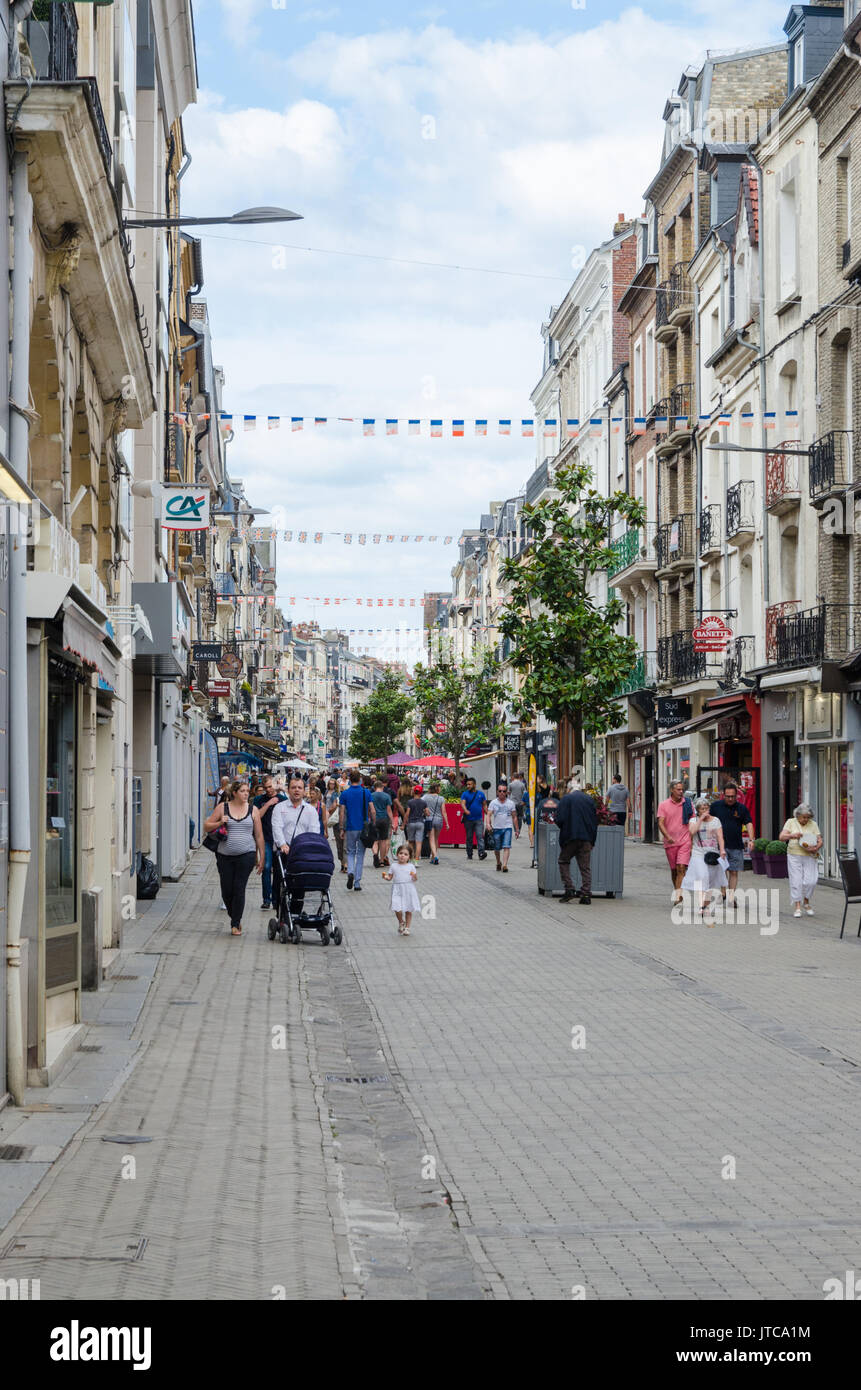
x,y
60,797
787,243
650,368
843,209
638,378
796,63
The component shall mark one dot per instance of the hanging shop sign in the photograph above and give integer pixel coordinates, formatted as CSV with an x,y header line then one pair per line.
x,y
220,729
547,741
439,728
185,509
712,635
218,689
230,665
671,711
206,651
511,743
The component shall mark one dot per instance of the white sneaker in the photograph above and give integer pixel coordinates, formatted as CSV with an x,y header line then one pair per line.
x,y
810,912
797,912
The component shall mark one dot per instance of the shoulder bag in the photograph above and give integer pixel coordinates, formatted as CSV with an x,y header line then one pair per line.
x,y
215,837
368,833
710,856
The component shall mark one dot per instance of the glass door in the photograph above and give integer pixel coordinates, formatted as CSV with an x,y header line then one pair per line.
x,y
60,801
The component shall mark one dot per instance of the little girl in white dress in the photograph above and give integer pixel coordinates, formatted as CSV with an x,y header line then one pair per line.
x,y
405,899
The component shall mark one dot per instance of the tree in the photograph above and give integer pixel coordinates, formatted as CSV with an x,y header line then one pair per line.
x,y
381,724
461,696
566,643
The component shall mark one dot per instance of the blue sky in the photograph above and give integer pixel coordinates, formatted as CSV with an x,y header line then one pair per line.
x,y
430,134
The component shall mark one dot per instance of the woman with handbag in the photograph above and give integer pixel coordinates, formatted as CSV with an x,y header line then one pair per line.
x,y
237,826
706,872
803,840
435,803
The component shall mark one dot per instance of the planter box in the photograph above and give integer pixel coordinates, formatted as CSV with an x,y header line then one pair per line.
x,y
757,860
775,866
452,832
608,861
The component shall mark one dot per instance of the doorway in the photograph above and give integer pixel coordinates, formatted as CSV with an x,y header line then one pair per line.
x,y
785,770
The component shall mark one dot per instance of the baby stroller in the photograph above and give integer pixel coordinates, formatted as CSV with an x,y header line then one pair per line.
x,y
305,871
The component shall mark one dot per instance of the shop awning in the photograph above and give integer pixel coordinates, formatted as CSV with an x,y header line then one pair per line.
x,y
701,721
257,742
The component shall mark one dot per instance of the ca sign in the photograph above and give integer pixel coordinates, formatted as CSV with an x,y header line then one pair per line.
x,y
185,509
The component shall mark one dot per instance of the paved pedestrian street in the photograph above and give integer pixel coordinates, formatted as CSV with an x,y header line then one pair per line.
x,y
524,1099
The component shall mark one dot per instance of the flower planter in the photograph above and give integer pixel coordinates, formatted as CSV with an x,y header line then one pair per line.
x,y
775,866
452,832
757,859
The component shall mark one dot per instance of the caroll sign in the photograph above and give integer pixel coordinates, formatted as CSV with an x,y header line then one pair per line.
x,y
185,509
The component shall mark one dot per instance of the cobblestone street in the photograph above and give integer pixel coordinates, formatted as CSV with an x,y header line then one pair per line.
x,y
483,1156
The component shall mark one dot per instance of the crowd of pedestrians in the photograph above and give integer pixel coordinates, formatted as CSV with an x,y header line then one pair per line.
x,y
705,839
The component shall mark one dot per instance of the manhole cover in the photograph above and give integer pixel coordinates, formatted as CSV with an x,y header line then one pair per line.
x,y
14,1153
358,1080
102,1247
123,977
126,1139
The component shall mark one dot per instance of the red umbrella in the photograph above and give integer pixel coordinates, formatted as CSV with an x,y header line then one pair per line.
x,y
431,762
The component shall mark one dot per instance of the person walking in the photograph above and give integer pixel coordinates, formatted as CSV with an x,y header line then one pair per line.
x,y
266,802
577,819
405,899
618,800
517,792
803,840
434,801
501,818
393,783
674,817
705,874
333,796
416,818
241,850
473,802
315,800
354,809
736,824
223,791
295,816
383,820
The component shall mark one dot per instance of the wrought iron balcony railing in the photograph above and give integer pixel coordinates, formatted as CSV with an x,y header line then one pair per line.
x,y
773,615
828,632
782,476
679,299
711,538
740,509
682,410
538,482
51,32
643,677
739,661
676,541
830,463
677,660
225,585
662,306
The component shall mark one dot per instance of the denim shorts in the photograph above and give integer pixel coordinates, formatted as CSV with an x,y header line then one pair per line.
x,y
502,839
736,860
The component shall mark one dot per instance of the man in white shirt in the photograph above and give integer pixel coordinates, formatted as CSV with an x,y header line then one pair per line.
x,y
294,817
501,818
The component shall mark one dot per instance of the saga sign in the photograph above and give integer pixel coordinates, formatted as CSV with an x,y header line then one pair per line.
x,y
185,509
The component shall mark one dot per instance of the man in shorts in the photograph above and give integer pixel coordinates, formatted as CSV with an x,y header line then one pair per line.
x,y
735,820
673,817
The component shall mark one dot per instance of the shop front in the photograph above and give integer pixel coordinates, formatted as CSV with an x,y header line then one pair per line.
x,y
827,772
781,759
547,755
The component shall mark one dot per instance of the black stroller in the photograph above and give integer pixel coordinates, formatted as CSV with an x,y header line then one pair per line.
x,y
305,871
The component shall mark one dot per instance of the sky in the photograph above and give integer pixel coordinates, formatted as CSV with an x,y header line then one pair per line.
x,y
503,139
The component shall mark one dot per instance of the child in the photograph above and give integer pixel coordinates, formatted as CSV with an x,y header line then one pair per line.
x,y
405,899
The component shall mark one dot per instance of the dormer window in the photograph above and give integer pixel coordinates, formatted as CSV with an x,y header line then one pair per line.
x,y
796,63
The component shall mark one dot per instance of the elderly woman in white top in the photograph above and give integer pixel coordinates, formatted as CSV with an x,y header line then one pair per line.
x,y
803,840
706,872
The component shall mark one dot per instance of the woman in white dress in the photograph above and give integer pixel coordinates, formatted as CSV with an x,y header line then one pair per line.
x,y
705,874
405,899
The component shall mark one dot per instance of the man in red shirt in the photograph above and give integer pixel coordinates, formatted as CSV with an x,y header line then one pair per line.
x,y
673,817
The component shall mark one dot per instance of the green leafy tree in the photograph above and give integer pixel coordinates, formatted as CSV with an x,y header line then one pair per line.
x,y
564,642
381,724
462,695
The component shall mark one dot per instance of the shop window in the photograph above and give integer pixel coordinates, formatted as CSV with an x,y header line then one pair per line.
x,y
60,798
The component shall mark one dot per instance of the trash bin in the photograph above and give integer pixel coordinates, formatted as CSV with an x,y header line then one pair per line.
x,y
549,877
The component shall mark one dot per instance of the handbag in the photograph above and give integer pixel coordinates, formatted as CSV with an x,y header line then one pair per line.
x,y
215,838
711,856
368,833
489,842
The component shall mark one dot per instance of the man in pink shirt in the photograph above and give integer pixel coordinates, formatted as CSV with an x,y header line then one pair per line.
x,y
673,817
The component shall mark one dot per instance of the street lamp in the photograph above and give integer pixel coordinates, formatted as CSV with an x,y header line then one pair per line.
x,y
249,217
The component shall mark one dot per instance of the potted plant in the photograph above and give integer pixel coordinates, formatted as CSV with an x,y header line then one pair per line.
x,y
757,854
775,859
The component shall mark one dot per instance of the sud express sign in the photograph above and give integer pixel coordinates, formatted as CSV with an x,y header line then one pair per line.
x,y
185,509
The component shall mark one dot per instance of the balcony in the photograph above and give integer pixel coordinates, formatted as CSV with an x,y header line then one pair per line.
x,y
711,536
675,544
773,615
738,663
538,483
682,409
680,297
813,635
665,332
634,554
225,588
830,465
740,512
51,32
783,478
678,663
643,677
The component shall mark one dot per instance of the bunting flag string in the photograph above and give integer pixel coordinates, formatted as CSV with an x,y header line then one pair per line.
x,y
266,533
459,428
